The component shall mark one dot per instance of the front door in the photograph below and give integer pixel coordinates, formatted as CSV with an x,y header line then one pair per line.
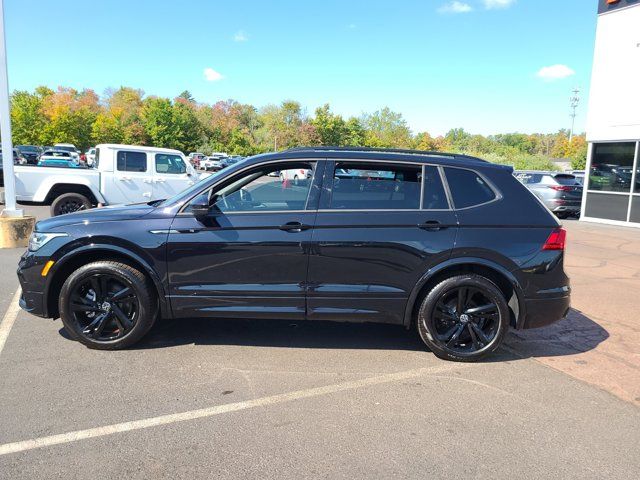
x,y
131,179
380,226
248,257
171,175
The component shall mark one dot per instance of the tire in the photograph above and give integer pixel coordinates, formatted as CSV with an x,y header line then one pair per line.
x,y
92,311
562,215
69,203
476,334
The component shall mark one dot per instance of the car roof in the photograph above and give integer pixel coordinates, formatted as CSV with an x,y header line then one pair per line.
x,y
138,148
363,153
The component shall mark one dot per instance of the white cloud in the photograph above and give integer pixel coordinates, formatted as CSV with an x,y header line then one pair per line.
x,y
455,7
241,36
210,75
495,4
352,26
555,72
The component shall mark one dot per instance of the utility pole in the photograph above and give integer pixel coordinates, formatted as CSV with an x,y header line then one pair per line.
x,y
5,129
574,101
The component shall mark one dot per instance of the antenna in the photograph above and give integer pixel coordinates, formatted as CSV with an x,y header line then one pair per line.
x,y
574,101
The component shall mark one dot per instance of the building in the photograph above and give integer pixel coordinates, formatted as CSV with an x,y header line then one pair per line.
x,y
613,120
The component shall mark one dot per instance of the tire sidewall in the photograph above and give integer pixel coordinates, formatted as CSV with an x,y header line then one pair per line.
x,y
428,305
55,206
147,303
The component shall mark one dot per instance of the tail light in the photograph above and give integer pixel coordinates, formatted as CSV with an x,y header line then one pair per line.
x,y
561,188
556,240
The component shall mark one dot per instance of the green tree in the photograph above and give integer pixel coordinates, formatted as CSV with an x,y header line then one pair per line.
x,y
386,128
331,129
27,119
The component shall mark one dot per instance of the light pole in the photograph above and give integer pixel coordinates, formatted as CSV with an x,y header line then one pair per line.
x,y
5,129
574,101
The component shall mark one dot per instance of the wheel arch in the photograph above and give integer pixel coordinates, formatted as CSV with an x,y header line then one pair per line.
x,y
83,189
92,253
503,278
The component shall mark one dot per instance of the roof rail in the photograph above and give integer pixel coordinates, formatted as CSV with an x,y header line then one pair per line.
x,y
386,150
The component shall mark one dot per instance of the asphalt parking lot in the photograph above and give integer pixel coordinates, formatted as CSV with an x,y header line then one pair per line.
x,y
274,399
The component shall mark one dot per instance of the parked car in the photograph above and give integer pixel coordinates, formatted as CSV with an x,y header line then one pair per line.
x,y
68,147
579,174
18,159
58,158
295,175
560,192
212,164
30,152
450,245
196,158
122,174
90,156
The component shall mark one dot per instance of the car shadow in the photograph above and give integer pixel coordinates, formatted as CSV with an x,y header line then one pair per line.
x,y
575,334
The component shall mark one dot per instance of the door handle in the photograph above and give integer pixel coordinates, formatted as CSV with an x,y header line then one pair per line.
x,y
125,179
159,180
294,227
431,225
146,180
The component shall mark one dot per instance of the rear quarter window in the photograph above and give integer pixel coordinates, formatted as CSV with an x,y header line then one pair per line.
x,y
467,188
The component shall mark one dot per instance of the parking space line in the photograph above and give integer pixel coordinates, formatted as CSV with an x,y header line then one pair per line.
x,y
78,435
9,318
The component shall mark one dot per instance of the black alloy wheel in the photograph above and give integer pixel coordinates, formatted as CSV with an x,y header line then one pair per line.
x,y
104,307
69,203
463,318
108,305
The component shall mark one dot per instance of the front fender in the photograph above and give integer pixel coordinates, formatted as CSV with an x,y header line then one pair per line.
x,y
464,261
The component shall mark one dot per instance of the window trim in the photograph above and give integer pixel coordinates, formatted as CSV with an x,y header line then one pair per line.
x,y
317,161
496,192
146,156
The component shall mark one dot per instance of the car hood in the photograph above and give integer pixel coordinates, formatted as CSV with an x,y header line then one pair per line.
x,y
104,214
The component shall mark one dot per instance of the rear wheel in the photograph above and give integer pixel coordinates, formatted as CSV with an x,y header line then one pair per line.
x,y
69,203
107,305
463,318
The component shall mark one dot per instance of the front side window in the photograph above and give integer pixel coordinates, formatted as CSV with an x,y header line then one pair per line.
x,y
468,188
612,167
375,186
269,188
131,161
170,164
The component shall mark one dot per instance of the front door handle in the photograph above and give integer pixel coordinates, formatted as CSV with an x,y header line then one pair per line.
x,y
294,227
431,225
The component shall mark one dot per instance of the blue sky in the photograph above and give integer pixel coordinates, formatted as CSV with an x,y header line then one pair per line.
x,y
474,64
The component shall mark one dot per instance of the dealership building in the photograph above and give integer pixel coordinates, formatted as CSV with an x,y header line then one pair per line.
x,y
612,193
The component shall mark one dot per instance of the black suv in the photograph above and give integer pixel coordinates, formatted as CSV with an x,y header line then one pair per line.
x,y
450,245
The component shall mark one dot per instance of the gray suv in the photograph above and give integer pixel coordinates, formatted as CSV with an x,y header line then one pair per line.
x,y
560,192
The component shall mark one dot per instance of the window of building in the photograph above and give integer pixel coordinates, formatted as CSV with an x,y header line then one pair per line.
x,y
468,188
131,161
375,186
612,167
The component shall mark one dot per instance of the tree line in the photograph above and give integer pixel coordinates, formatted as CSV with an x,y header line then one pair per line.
x,y
126,115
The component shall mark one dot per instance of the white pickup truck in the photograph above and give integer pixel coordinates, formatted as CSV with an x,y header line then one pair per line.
x,y
121,174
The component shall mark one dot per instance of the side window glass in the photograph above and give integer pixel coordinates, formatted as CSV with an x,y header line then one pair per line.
x,y
434,197
375,186
131,161
170,164
467,188
266,189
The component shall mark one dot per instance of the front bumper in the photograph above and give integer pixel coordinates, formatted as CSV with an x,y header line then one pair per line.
x,y
33,285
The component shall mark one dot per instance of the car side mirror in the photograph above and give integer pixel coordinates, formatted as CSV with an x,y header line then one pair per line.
x,y
200,206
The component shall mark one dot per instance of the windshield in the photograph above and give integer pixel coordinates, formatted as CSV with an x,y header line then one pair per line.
x,y
66,149
28,148
566,180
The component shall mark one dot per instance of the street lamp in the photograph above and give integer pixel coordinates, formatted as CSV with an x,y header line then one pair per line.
x,y
574,101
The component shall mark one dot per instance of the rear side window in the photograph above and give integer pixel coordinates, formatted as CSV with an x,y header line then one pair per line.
x,y
375,186
467,188
132,161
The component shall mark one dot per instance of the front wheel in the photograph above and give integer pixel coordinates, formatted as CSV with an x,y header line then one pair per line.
x,y
463,318
107,305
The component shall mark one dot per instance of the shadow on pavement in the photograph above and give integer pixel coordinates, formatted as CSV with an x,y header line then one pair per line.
x,y
575,334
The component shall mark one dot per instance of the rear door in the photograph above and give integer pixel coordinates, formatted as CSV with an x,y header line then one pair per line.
x,y
132,178
170,175
380,226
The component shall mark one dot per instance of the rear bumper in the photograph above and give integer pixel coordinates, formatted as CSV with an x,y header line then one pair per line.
x,y
545,311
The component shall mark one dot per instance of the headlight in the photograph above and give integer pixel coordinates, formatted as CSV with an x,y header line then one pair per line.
x,y
39,239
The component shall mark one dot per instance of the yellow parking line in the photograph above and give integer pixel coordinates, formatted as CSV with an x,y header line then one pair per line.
x,y
9,318
78,435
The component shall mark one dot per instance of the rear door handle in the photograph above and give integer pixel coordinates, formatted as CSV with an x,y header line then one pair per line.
x,y
432,226
294,227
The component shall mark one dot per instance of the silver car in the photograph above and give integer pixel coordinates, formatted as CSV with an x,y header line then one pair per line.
x,y
560,192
